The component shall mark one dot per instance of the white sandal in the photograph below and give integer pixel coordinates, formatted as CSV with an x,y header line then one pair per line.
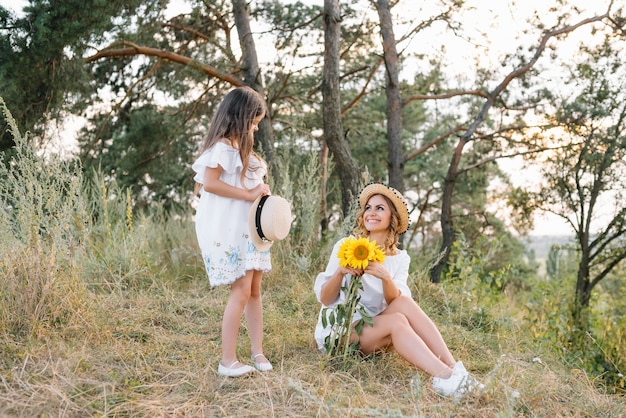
x,y
262,367
232,371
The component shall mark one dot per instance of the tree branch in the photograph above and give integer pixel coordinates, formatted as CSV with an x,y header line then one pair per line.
x,y
618,259
603,239
447,95
190,30
126,49
498,157
493,95
358,97
432,143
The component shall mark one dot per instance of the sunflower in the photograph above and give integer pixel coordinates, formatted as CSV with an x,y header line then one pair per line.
x,y
358,252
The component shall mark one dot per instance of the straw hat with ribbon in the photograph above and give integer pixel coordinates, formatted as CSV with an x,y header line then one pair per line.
x,y
269,220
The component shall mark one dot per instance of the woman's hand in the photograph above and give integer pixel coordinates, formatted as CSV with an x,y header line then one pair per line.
x,y
390,290
350,270
377,270
330,289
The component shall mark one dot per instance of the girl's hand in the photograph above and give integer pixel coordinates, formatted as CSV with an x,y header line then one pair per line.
x,y
377,270
260,190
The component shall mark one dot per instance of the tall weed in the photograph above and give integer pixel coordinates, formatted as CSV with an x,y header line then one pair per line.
x,y
43,223
302,189
482,287
41,196
127,249
117,250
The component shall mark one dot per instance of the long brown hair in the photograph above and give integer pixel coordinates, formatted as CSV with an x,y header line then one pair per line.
x,y
391,243
233,121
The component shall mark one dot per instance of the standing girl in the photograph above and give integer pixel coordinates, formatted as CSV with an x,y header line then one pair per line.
x,y
231,176
399,322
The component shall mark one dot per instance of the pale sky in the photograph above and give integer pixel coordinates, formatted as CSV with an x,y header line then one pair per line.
x,y
14,5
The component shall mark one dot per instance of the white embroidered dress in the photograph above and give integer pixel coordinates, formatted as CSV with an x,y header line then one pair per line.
x,y
372,297
222,222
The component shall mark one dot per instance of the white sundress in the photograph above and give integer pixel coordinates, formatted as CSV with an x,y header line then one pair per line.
x,y
222,222
372,296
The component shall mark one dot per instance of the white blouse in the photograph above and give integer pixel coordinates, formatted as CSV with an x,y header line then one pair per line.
x,y
372,297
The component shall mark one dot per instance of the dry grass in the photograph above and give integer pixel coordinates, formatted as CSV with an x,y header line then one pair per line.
x,y
116,319
153,352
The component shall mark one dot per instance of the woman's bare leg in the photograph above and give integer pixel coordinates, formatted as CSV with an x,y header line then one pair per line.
x,y
423,326
394,329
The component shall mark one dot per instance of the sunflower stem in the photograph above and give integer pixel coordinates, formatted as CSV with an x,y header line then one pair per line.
x,y
355,253
352,298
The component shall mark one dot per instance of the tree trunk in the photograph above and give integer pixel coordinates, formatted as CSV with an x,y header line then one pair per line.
x,y
394,103
583,290
447,224
324,187
583,284
252,77
347,167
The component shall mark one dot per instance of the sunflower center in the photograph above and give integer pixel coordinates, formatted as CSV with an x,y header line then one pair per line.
x,y
361,252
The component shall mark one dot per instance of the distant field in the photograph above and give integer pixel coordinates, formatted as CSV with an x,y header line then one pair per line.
x,y
542,243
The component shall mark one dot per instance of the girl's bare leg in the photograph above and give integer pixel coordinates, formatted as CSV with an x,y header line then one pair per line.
x,y
239,296
254,316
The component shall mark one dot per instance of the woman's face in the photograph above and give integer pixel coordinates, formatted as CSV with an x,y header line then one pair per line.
x,y
377,214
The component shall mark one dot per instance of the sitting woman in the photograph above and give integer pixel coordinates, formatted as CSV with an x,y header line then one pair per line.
x,y
398,321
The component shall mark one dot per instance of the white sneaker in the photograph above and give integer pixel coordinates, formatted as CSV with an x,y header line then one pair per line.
x,y
232,371
470,383
459,382
449,386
